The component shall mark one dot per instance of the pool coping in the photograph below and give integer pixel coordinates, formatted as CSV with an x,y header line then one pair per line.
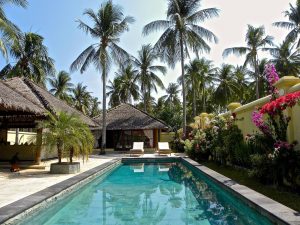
x,y
18,210
275,211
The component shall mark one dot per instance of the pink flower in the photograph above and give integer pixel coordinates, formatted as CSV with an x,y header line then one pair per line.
x,y
257,119
272,77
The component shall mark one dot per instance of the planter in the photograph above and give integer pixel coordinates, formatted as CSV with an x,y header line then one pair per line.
x,y
65,168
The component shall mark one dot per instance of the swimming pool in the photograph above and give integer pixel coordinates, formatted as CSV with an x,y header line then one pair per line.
x,y
154,193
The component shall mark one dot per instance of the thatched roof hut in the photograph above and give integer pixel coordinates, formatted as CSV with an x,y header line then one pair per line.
x,y
41,98
128,117
12,102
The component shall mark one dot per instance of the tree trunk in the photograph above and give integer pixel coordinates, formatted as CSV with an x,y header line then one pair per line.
x,y
256,77
183,86
59,150
194,102
103,144
204,99
71,154
145,99
17,136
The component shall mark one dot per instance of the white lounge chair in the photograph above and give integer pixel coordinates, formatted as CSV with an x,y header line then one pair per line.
x,y
164,148
137,149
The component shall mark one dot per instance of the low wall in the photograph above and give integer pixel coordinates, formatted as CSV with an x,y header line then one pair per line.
x,y
243,112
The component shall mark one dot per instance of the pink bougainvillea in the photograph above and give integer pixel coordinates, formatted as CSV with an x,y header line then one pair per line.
x,y
257,119
272,77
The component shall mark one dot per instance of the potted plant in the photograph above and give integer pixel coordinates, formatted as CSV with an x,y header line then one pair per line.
x,y
71,137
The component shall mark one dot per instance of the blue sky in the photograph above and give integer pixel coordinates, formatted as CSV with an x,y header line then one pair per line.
x,y
55,21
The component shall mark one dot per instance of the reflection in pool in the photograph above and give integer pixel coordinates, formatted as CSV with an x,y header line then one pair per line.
x,y
150,194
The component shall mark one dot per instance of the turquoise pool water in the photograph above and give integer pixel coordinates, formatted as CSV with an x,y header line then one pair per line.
x,y
149,194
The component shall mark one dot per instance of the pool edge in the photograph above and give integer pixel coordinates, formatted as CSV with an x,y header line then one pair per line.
x,y
20,209
275,211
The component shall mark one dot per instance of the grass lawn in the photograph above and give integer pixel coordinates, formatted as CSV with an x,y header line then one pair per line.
x,y
287,198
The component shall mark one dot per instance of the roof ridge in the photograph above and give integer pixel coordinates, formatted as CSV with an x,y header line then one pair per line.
x,y
18,92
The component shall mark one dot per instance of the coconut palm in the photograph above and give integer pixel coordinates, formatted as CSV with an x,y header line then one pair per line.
x,y
61,86
256,41
108,25
147,72
293,16
81,98
113,92
286,59
241,77
181,34
227,85
69,134
9,31
199,73
32,59
128,90
94,109
171,98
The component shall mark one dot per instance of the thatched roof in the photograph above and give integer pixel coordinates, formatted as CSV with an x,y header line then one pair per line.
x,y
12,102
43,99
128,117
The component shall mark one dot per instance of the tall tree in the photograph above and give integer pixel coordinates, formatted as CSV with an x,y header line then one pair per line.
x,y
32,59
171,98
61,86
9,31
108,25
182,33
286,58
94,109
227,85
293,16
147,76
128,90
113,88
81,98
256,41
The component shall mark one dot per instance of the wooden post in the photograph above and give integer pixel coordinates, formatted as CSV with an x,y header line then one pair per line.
x,y
155,138
39,141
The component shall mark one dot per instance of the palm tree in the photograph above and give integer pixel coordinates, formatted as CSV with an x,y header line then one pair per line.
x,y
94,107
113,92
293,16
61,86
227,85
9,31
69,134
199,73
147,76
81,98
128,90
181,33
241,78
171,98
286,59
32,59
109,24
256,41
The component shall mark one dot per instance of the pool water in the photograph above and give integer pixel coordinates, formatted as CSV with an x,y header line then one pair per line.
x,y
150,194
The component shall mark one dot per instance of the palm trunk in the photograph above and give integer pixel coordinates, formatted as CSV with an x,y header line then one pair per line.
x,y
59,150
103,144
145,99
256,78
204,99
71,155
194,102
183,86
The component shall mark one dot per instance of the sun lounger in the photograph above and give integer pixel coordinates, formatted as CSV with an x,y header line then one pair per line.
x,y
137,149
163,148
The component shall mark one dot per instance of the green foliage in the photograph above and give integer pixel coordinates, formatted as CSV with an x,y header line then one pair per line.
x,y
68,134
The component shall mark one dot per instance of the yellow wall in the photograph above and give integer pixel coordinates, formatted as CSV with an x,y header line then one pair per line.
x,y
243,113
166,136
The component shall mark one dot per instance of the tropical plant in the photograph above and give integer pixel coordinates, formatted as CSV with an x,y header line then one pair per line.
x,y
256,41
108,25
293,16
241,76
127,88
113,92
32,59
9,31
286,59
94,109
147,72
81,98
226,86
69,134
182,33
61,86
171,98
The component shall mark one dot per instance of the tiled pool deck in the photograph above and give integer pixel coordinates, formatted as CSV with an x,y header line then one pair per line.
x,y
22,191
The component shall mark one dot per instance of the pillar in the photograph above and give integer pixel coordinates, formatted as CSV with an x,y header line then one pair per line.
x,y
39,142
155,138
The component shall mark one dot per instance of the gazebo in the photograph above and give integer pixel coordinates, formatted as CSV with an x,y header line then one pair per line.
x,y
127,124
